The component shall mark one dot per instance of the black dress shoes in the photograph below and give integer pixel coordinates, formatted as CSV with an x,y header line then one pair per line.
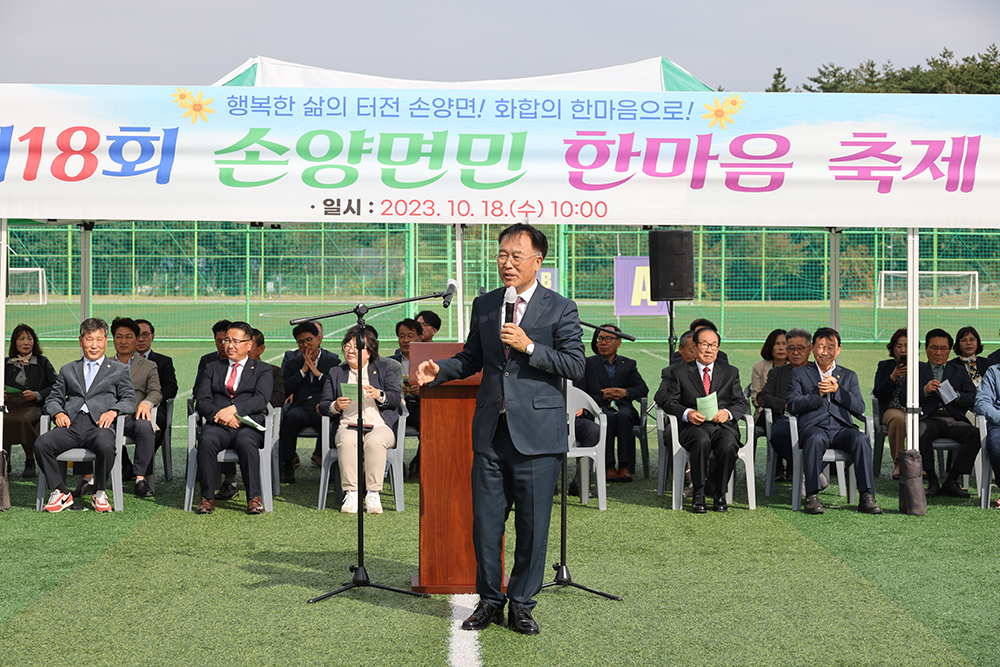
x,y
867,504
811,505
698,504
227,491
519,620
720,504
933,487
288,472
954,490
484,614
142,489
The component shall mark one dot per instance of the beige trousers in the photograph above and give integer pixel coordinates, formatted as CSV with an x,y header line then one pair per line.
x,y
895,421
377,441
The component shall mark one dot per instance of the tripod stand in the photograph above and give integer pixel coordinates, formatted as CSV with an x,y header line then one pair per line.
x,y
360,574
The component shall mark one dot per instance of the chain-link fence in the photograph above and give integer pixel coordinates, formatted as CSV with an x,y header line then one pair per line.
x,y
186,275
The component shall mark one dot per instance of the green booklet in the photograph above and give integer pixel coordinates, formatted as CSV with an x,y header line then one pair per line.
x,y
349,389
12,390
246,421
708,405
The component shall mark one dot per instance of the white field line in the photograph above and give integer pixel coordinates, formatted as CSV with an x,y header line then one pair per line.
x,y
653,354
463,645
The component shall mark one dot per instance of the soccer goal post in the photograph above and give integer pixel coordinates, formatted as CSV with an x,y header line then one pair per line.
x,y
938,289
27,285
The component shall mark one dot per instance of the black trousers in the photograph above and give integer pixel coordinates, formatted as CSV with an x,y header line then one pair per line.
x,y
247,443
620,430
502,477
962,432
294,420
701,442
82,432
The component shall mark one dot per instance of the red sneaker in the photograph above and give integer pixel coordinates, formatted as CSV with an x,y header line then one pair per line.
x,y
59,501
100,502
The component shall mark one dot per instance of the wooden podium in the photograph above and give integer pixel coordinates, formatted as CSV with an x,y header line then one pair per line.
x,y
447,559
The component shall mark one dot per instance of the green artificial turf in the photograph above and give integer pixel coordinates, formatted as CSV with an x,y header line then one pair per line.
x,y
159,586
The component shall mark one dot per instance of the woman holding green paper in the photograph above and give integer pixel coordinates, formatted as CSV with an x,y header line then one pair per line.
x,y
380,412
28,379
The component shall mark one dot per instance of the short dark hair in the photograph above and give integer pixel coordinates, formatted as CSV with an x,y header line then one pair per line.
x,y
767,351
149,324
126,322
430,317
538,240
410,324
258,337
891,345
697,335
938,333
826,332
371,341
241,326
305,328
598,332
18,330
685,337
92,324
965,331
702,323
222,326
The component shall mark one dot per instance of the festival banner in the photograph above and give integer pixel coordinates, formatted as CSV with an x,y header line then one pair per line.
x,y
634,288
280,155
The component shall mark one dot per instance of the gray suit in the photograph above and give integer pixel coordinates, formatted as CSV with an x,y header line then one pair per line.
x,y
111,389
517,455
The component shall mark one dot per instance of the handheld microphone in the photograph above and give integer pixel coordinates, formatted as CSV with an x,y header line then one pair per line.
x,y
449,292
509,297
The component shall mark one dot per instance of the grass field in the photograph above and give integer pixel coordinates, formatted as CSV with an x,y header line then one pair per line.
x,y
154,585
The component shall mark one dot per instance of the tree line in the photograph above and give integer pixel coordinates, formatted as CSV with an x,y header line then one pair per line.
x,y
977,74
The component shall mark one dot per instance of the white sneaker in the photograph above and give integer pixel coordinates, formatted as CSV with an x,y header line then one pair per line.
x,y
58,501
373,503
350,505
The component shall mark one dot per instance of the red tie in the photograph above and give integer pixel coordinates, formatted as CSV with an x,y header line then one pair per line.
x,y
231,383
706,381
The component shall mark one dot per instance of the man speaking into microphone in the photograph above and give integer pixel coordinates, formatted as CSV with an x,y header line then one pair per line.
x,y
525,347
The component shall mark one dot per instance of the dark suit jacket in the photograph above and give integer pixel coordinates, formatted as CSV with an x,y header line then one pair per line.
x,y
660,398
960,382
39,378
811,408
302,388
885,385
278,393
774,394
210,358
684,387
111,389
381,375
168,377
252,393
531,385
595,378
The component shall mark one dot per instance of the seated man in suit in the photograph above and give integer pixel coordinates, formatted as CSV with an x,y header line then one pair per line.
x,y
303,372
774,395
703,435
87,397
825,397
613,381
429,322
946,419
224,393
164,368
696,325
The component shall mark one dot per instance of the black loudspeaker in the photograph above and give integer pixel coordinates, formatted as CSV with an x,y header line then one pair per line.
x,y
671,264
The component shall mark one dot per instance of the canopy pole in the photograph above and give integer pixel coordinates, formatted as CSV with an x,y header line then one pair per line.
x,y
86,286
460,279
913,336
3,311
834,278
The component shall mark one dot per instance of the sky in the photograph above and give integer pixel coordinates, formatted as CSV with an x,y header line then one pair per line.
x,y
736,45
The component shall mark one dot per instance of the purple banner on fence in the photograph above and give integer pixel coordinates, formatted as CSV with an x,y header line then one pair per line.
x,y
633,288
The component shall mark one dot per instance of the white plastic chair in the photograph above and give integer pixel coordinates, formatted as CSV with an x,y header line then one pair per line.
x,y
680,457
229,456
393,457
79,455
577,399
984,470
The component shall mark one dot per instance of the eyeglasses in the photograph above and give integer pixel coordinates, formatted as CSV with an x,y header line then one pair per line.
x,y
515,259
708,346
606,339
233,341
145,334
797,348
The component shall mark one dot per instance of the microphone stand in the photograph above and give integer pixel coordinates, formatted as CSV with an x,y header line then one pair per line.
x,y
563,577
360,578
